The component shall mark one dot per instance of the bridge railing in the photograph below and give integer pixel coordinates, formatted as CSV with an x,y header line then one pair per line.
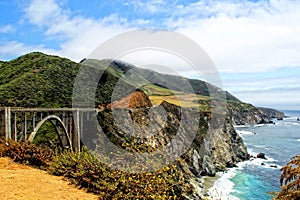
x,y
18,123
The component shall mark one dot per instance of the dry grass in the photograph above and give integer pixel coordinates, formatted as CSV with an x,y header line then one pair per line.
x,y
183,100
23,182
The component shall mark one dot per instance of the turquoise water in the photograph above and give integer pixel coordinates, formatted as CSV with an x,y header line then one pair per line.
x,y
280,142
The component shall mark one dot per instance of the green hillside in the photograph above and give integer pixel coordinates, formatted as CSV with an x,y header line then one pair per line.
x,y
36,80
40,80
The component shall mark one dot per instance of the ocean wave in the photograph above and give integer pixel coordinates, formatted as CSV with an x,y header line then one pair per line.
x,y
223,186
245,132
288,123
260,146
258,125
241,126
298,140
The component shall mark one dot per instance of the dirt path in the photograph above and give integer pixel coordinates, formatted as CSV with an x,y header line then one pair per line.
x,y
23,182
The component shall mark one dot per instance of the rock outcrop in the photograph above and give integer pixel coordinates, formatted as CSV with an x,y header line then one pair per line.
x,y
243,113
213,148
261,155
137,99
271,113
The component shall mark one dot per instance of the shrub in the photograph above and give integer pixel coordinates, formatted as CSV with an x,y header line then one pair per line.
x,y
86,171
290,180
25,153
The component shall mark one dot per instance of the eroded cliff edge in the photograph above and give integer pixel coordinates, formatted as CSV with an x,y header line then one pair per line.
x,y
244,113
215,146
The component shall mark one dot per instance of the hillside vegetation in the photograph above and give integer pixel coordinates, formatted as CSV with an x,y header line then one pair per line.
x,y
84,170
39,80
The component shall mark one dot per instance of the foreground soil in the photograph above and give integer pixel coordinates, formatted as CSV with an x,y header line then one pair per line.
x,y
23,182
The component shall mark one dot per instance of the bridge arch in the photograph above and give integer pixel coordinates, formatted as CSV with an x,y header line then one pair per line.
x,y
52,119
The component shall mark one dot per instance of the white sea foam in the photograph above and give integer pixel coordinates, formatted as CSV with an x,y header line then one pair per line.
x,y
241,126
289,123
295,123
258,125
223,186
241,133
298,140
260,146
254,153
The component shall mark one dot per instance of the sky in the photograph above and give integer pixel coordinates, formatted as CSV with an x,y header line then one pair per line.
x,y
255,45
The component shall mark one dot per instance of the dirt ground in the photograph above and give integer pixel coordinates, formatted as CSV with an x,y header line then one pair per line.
x,y
23,182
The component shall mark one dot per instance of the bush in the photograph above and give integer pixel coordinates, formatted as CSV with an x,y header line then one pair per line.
x,y
25,153
86,171
290,180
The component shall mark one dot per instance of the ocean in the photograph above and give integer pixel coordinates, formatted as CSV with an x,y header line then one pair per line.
x,y
254,179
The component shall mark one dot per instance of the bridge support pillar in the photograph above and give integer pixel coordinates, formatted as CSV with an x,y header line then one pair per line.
x,y
77,129
5,122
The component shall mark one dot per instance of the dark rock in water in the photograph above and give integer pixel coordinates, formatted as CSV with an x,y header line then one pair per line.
x,y
279,118
274,166
261,155
230,165
262,163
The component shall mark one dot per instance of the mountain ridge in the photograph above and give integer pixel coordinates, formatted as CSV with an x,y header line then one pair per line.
x,y
34,79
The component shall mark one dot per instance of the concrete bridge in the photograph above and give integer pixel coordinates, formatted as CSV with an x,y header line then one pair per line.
x,y
21,124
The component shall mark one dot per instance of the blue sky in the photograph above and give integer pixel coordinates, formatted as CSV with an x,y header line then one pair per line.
x,y
255,45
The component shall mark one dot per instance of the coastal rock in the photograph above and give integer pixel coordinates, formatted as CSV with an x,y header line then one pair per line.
x,y
261,155
243,113
208,168
271,113
227,147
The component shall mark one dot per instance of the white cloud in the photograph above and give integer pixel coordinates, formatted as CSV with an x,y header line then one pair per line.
x,y
239,36
42,12
149,7
79,36
7,29
245,36
12,48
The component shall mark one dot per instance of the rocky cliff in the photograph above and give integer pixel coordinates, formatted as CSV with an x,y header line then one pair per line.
x,y
244,113
271,113
215,145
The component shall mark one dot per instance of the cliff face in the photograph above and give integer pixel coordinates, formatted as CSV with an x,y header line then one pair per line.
x,y
221,148
271,113
244,113
212,149
137,99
